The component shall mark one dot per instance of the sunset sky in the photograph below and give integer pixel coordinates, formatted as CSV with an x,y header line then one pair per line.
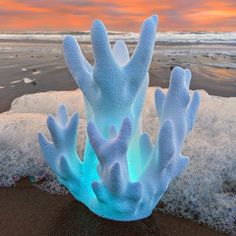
x,y
122,15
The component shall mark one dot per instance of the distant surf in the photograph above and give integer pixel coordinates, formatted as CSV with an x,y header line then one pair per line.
x,y
162,37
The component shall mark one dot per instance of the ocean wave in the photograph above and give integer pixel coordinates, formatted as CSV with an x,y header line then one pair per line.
x,y
162,37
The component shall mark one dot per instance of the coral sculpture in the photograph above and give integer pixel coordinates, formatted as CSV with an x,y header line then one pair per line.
x,y
123,174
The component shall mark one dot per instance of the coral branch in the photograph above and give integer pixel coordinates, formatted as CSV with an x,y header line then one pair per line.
x,y
61,154
176,116
115,189
123,174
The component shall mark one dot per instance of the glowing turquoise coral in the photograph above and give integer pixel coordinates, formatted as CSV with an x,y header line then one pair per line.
x,y
123,174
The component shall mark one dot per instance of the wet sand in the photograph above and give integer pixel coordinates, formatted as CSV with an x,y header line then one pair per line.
x,y
26,210
213,67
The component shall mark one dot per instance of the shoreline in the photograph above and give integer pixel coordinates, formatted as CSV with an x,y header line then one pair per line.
x,y
31,67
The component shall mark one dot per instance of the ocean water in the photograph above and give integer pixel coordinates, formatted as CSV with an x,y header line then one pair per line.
x,y
162,37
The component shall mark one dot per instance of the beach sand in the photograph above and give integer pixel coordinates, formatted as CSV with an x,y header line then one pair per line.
x,y
26,210
29,67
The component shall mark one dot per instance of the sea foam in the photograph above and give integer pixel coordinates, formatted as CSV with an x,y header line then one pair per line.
x,y
205,192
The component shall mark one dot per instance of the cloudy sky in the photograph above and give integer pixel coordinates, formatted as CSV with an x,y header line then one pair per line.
x,y
120,15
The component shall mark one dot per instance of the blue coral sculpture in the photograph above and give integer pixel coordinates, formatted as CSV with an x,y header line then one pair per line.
x,y
122,175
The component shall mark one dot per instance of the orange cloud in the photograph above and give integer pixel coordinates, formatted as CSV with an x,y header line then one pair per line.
x,y
178,15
